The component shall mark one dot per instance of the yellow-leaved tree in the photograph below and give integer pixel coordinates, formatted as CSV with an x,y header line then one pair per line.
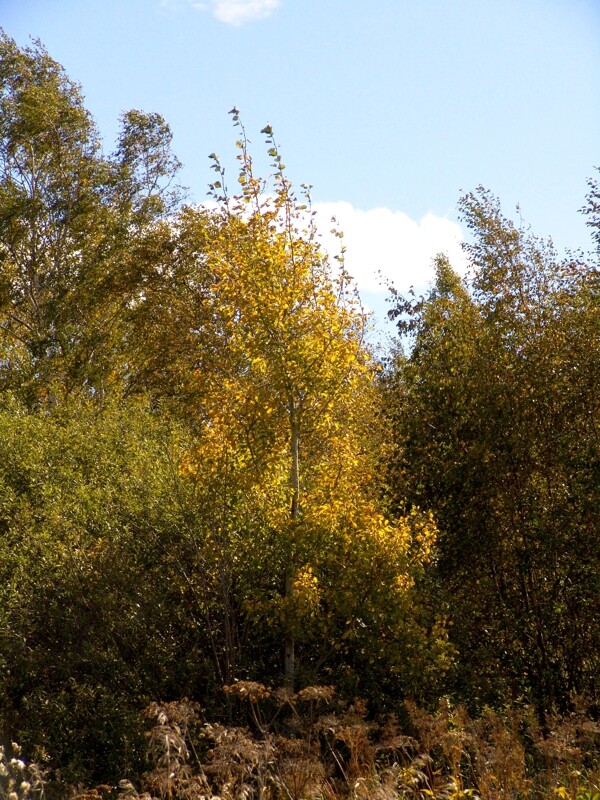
x,y
289,435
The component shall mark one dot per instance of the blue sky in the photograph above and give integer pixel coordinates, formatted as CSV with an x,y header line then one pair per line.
x,y
389,108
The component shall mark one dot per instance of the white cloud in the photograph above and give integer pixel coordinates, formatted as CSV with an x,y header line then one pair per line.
x,y
382,244
237,12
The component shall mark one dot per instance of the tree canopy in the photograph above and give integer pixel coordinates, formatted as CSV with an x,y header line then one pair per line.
x,y
208,480
496,411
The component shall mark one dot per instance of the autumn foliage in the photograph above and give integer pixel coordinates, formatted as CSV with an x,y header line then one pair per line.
x,y
240,556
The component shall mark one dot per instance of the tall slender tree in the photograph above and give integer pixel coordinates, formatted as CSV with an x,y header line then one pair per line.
x,y
282,394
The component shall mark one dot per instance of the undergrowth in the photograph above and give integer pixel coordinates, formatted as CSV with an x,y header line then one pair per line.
x,y
312,746
19,780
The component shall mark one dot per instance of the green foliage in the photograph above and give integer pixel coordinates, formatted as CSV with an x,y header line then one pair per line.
x,y
496,410
70,219
92,614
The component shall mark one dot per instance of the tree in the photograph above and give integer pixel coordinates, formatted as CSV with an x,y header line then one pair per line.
x,y
71,222
496,417
592,211
265,352
190,435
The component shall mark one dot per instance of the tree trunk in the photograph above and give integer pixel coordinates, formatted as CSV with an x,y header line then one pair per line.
x,y
289,647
